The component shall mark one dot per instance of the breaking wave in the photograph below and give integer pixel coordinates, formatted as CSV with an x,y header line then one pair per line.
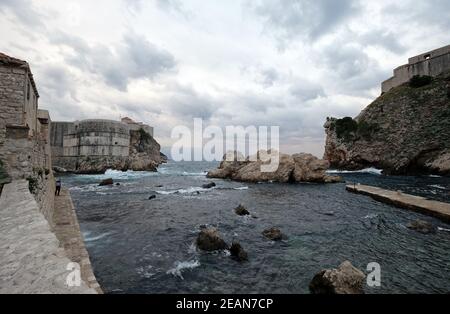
x,y
181,266
367,170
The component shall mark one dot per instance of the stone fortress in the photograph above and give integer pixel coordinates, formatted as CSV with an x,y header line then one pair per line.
x,y
95,145
432,63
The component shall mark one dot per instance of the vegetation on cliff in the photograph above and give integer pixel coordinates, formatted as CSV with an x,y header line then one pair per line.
x,y
404,131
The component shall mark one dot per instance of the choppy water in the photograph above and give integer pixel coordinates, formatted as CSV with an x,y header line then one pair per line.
x,y
138,245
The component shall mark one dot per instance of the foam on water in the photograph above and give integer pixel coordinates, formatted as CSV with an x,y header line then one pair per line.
x,y
87,238
181,266
368,170
437,186
184,191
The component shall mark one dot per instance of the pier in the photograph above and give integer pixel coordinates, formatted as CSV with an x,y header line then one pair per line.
x,y
419,204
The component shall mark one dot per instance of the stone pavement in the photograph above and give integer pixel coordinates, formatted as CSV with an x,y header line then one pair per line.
x,y
68,232
31,259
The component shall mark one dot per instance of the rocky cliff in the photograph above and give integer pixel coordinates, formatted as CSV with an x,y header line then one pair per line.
x,y
404,131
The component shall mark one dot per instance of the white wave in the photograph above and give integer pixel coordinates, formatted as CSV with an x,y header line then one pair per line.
x,y
434,176
371,216
368,170
92,239
443,229
169,171
184,191
437,186
181,266
242,188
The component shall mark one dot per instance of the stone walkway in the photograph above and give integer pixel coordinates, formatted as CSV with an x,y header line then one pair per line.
x,y
69,235
31,259
436,209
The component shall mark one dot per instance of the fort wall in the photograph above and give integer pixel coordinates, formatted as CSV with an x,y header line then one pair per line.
x,y
432,63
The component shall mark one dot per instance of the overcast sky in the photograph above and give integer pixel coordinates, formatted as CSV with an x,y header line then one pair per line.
x,y
231,62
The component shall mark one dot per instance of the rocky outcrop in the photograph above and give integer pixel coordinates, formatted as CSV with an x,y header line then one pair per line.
x,y
208,185
404,131
106,182
145,152
346,279
421,226
274,234
209,240
238,253
241,211
295,168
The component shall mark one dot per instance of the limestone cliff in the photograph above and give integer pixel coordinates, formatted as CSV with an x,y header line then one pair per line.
x,y
404,131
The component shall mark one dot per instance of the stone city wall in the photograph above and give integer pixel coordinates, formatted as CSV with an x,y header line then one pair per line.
x,y
432,63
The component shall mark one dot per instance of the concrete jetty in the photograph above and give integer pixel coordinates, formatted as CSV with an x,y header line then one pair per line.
x,y
419,204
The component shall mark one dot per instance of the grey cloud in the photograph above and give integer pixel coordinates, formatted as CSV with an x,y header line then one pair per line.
x,y
57,80
351,68
269,77
134,58
385,39
23,10
185,102
303,90
310,18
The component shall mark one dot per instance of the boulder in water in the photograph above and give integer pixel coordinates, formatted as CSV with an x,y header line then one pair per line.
x,y
346,279
238,253
107,182
241,211
210,240
274,234
272,166
208,185
421,226
152,197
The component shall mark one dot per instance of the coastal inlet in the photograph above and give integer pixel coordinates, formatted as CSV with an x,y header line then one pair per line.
x,y
139,245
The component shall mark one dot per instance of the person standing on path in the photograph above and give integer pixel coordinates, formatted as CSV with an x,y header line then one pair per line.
x,y
58,187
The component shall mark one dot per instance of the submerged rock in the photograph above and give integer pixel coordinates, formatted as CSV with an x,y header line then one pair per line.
x,y
107,182
274,234
346,279
238,253
241,211
421,226
208,185
210,240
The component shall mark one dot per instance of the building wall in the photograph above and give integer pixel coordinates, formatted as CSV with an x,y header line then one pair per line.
x,y
30,106
25,141
432,63
12,97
